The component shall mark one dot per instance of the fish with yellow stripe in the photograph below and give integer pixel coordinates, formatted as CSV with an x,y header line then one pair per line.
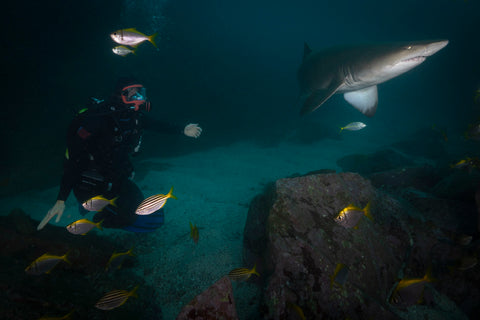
x,y
339,276
154,203
410,291
297,309
132,37
194,234
97,203
83,226
45,263
64,317
117,258
242,274
351,215
115,299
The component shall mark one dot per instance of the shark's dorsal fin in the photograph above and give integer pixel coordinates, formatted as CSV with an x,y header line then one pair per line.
x,y
364,100
306,50
318,97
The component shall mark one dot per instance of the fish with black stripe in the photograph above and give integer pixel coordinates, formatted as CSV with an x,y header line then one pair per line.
x,y
115,299
242,274
154,203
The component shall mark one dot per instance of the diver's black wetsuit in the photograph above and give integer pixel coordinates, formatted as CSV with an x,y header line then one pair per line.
x,y
97,162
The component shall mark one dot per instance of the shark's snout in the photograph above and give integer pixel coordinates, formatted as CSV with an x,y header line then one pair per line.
x,y
434,47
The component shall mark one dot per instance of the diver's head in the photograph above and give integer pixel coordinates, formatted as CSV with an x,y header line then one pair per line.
x,y
132,94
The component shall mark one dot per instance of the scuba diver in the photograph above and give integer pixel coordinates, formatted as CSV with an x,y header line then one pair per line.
x,y
97,162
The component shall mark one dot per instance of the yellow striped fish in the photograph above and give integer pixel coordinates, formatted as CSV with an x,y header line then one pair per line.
x,y
65,317
97,203
83,226
242,274
117,258
45,263
297,309
351,215
132,37
154,203
410,291
194,234
115,299
339,276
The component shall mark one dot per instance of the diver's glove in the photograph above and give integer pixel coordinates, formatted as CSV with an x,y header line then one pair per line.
x,y
57,210
192,130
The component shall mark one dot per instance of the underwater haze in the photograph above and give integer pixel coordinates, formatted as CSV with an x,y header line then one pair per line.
x,y
231,67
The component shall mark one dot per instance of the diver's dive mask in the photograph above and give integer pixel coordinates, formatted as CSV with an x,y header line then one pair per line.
x,y
135,96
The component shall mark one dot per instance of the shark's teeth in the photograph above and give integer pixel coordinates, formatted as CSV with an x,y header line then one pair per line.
x,y
415,59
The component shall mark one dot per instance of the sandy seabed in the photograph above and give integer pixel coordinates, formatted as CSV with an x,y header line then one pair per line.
x,y
214,190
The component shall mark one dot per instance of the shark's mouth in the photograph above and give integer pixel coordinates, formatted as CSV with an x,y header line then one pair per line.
x,y
417,59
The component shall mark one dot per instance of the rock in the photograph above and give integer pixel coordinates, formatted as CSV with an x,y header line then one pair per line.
x,y
302,244
458,185
421,178
426,142
382,160
477,200
78,285
22,222
215,303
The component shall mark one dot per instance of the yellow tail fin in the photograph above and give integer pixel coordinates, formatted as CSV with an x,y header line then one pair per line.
x,y
133,293
170,195
152,39
254,270
366,210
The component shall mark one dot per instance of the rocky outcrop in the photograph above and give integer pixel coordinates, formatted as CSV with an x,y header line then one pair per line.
x,y
69,286
293,238
381,160
215,303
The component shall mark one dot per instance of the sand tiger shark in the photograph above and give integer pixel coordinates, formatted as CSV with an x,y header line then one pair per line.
x,y
356,70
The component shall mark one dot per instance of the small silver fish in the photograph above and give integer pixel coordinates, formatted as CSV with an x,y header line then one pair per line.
x,y
154,203
122,51
132,37
353,126
115,299
45,264
97,203
83,226
473,131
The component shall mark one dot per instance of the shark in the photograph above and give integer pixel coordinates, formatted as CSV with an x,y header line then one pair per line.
x,y
356,70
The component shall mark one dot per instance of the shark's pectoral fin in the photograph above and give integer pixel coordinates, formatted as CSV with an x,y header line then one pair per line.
x,y
364,100
318,97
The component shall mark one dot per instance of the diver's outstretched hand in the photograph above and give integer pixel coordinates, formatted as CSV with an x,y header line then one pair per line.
x,y
192,130
57,210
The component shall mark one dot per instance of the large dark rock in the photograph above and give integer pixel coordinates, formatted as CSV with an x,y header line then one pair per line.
x,y
292,236
422,178
458,185
426,142
381,160
215,303
76,286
